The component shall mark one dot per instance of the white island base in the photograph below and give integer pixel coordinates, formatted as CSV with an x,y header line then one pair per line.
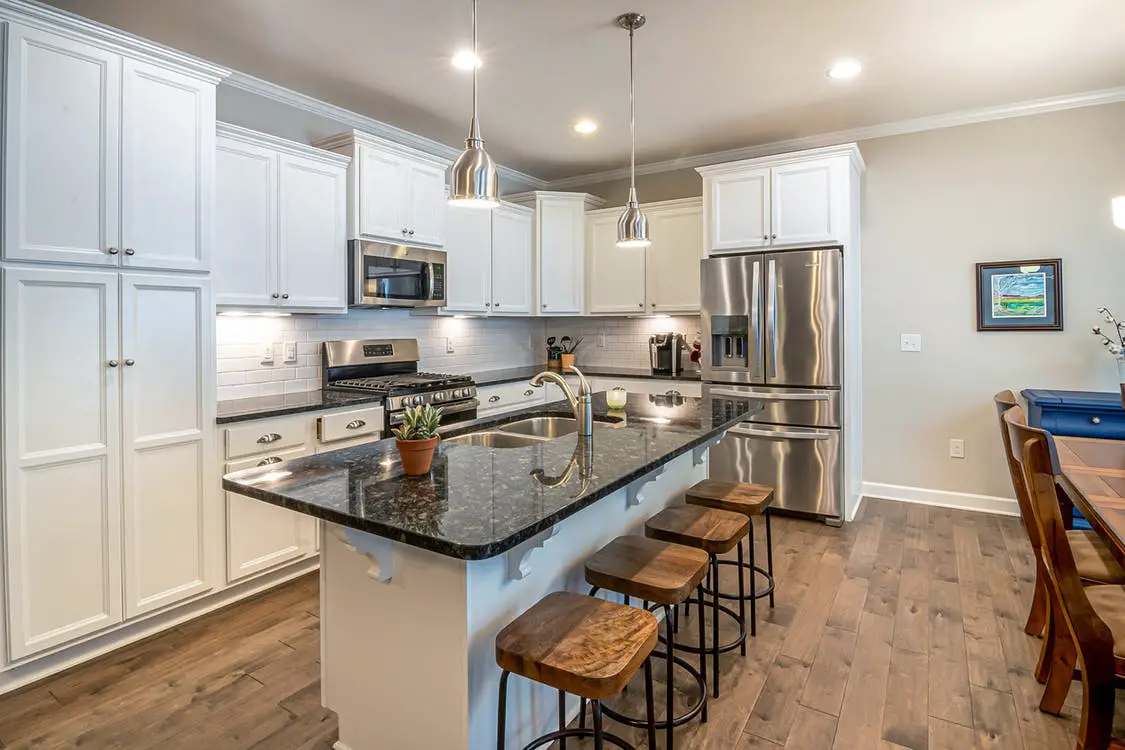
x,y
407,635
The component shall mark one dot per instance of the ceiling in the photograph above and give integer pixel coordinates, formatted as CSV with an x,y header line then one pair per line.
x,y
711,74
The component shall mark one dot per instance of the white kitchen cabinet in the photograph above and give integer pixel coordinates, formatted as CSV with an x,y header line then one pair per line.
x,y
395,194
648,386
469,260
512,260
662,278
792,200
280,237
108,159
560,252
506,397
108,404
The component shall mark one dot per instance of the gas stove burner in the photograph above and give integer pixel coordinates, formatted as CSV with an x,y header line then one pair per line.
x,y
394,384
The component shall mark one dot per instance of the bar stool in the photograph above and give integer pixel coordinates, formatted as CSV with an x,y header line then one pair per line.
x,y
580,645
716,532
750,500
666,575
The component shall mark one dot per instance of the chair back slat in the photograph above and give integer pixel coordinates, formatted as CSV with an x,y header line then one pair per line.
x,y
1004,401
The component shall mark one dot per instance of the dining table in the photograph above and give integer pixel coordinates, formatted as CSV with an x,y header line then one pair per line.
x,y
1091,474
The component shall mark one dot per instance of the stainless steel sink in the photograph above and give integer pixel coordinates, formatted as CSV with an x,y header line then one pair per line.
x,y
548,428
492,439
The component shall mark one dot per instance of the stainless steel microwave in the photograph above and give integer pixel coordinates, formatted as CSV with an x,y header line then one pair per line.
x,y
384,275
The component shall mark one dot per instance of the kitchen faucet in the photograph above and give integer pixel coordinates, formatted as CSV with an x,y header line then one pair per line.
x,y
579,404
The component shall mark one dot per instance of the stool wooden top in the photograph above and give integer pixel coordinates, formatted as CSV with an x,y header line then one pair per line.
x,y
586,646
737,497
648,569
713,531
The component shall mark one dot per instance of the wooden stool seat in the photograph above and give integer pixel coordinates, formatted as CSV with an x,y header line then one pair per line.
x,y
648,569
713,531
736,497
578,644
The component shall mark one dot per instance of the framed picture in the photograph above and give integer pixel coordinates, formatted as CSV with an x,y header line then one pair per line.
x,y
1023,295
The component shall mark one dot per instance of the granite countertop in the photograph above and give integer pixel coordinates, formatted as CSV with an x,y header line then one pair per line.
x,y
480,502
527,372
263,407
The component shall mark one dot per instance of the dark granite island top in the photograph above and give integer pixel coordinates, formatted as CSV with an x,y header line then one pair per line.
x,y
481,502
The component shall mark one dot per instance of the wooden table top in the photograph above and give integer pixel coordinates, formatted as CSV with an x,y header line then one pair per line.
x,y
1092,473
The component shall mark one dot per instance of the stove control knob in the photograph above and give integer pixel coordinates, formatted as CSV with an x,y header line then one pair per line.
x,y
439,397
456,393
418,400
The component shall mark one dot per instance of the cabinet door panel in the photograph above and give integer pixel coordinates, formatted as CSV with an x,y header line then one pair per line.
x,y
803,203
62,520
245,260
616,275
313,245
511,260
673,259
166,331
427,204
382,194
168,154
562,256
469,260
262,536
738,211
62,141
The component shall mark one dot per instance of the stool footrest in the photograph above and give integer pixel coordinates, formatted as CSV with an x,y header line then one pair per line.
x,y
547,739
684,718
711,648
757,595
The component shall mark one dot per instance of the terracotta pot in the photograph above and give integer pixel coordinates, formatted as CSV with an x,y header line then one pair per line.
x,y
417,455
567,361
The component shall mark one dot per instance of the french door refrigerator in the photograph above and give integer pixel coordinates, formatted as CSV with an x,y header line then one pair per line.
x,y
772,330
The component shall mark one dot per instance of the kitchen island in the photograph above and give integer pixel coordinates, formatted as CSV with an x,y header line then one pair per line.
x,y
418,575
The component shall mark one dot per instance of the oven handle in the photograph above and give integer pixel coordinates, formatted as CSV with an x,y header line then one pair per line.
x,y
766,396
780,435
457,408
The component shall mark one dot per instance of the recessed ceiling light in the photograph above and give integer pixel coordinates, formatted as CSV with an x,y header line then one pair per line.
x,y
466,59
843,70
585,127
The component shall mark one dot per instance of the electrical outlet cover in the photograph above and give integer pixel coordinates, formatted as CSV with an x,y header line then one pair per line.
x,y
448,345
267,353
956,448
290,351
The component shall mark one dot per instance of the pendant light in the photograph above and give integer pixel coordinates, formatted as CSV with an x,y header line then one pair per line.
x,y
632,227
473,179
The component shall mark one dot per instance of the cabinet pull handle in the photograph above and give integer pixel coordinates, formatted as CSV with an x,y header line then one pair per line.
x,y
270,460
529,392
672,393
112,250
269,437
130,251
113,363
355,424
493,399
130,362
1096,420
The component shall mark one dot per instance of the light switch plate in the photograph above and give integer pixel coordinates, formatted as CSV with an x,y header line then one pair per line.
x,y
290,351
448,345
911,342
267,354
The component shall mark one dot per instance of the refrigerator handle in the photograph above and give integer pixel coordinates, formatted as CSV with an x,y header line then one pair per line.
x,y
771,315
768,396
781,435
756,319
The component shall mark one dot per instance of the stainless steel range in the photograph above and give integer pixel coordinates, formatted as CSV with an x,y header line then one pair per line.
x,y
389,367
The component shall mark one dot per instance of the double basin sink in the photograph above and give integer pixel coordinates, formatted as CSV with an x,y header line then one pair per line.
x,y
525,432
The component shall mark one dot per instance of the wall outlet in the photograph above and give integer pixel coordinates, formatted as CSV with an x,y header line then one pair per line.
x,y
290,351
956,448
267,354
601,341
911,342
448,345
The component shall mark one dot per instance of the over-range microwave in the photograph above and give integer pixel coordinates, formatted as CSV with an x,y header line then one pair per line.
x,y
384,275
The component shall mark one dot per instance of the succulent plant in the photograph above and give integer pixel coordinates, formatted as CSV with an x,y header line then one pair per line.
x,y
419,423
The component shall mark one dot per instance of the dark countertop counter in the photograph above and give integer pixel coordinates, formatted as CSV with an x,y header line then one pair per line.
x,y
263,407
480,502
515,374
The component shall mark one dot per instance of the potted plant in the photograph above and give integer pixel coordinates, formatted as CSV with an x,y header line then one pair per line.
x,y
569,347
416,439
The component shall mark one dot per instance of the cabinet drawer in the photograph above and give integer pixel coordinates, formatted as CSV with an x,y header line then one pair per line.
x,y
508,396
266,436
1084,423
349,424
274,457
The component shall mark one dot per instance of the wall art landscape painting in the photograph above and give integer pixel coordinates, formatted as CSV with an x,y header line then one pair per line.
x,y
1021,295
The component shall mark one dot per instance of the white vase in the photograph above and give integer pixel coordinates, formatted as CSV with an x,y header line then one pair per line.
x,y
1121,377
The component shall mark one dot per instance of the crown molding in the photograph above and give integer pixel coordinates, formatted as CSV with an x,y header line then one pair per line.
x,y
363,123
902,127
590,201
256,138
64,23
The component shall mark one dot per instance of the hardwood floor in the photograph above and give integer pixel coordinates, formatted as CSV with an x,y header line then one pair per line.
x,y
902,631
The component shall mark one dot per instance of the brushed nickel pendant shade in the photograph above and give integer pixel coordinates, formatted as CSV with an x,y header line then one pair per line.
x,y
473,179
632,227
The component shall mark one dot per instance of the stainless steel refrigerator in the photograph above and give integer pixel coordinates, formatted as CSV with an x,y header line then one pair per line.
x,y
773,329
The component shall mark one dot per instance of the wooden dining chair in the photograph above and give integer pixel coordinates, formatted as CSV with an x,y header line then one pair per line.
x,y
1088,622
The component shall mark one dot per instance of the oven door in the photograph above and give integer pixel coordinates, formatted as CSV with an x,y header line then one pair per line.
x,y
382,275
461,411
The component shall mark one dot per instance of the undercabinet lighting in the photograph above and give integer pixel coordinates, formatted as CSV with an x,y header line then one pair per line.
x,y
846,69
248,314
460,316
1119,212
466,59
585,127
657,420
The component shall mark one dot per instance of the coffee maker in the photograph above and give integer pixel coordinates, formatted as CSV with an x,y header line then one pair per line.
x,y
665,351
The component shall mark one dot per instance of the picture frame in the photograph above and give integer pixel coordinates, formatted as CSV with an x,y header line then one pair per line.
x,y
1020,295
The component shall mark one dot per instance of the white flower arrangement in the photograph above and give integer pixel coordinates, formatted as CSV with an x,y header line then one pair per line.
x,y
1116,348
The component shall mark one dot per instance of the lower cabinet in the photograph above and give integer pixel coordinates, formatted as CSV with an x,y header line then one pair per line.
x,y
506,397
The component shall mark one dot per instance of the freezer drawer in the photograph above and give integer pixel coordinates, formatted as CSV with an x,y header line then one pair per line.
x,y
810,407
803,465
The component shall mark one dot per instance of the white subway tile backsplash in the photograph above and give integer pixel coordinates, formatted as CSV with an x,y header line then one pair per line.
x,y
626,339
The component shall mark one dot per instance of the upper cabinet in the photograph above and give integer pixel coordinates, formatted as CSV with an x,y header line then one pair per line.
x,y
395,194
280,234
798,199
108,159
490,260
662,278
511,260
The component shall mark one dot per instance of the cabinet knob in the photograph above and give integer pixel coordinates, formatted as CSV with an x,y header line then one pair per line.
x,y
765,238
285,296
773,236
544,305
488,304
130,362
275,295
411,232
112,250
113,363
1096,420
641,304
405,230
497,304
653,304
130,251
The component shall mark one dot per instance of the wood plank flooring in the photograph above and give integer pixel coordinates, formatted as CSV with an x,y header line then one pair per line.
x,y
901,631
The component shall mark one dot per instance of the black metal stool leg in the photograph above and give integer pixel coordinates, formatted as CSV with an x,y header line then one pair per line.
x,y
581,713
562,719
742,597
671,679
715,625
702,653
753,584
502,711
599,740
650,710
769,552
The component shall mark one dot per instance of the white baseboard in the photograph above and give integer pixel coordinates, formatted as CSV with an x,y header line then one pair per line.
x,y
1004,506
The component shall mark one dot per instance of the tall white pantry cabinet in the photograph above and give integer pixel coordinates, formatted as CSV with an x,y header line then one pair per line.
x,y
109,495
